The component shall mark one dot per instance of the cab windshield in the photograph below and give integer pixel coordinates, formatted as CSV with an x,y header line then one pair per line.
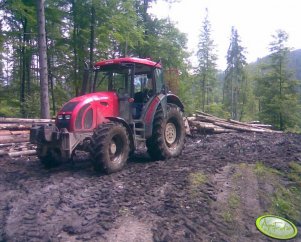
x,y
113,79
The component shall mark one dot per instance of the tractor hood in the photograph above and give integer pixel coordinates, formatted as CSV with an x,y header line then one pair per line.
x,y
86,112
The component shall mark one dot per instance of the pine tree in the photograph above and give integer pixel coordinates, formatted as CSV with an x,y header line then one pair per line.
x,y
235,77
207,62
277,90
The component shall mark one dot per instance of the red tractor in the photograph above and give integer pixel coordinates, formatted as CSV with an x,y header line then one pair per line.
x,y
127,103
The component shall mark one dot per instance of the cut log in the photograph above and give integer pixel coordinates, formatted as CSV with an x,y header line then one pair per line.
x,y
15,126
25,120
21,153
204,122
17,153
17,132
221,130
13,144
14,139
265,126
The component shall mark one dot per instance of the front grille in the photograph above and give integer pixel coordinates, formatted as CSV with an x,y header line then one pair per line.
x,y
78,121
63,123
88,119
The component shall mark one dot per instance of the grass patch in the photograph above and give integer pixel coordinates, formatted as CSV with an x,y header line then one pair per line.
x,y
283,201
196,180
228,216
233,201
287,203
261,170
295,173
237,176
230,208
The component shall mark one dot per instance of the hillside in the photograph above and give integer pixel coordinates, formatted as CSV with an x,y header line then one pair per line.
x,y
294,63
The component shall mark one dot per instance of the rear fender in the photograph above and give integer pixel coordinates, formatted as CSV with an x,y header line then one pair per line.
x,y
150,111
171,98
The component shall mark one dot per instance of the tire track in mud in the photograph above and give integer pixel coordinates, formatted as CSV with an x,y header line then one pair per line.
x,y
74,203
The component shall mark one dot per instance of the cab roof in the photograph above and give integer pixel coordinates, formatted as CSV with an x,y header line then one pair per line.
x,y
140,61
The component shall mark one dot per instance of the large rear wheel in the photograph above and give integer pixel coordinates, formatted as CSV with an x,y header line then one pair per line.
x,y
110,147
168,135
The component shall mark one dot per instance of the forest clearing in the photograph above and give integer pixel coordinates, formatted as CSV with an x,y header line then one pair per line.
x,y
214,191
116,87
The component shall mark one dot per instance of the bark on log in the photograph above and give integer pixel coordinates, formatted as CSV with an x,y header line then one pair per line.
x,y
15,126
14,139
8,132
25,120
20,153
17,153
13,144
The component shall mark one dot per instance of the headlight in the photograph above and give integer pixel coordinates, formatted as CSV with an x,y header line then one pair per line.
x,y
60,117
67,116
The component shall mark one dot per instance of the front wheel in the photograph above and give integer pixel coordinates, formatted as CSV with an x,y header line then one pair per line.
x,y
110,147
168,135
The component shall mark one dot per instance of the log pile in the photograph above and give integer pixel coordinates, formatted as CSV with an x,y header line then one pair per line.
x,y
208,124
14,132
14,136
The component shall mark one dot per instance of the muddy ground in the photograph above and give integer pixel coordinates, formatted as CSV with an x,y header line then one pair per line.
x,y
213,192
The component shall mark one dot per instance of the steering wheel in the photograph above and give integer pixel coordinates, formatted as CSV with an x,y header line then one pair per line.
x,y
147,94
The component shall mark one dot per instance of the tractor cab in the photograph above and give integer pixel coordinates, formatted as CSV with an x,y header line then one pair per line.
x,y
135,81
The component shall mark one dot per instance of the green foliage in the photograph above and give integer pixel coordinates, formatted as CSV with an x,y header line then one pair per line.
x,y
32,105
218,109
206,71
277,91
79,31
235,86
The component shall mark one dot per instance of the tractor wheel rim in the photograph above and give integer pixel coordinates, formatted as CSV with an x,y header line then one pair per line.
x,y
113,148
170,133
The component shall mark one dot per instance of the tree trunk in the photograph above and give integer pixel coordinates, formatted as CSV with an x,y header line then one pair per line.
x,y
23,68
50,76
92,41
45,112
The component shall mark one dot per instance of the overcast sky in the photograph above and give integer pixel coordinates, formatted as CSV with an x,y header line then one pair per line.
x,y
255,20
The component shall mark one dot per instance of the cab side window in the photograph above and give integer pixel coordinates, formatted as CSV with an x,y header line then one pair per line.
x,y
158,74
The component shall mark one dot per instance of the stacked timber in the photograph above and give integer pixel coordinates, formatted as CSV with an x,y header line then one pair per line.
x,y
208,124
14,136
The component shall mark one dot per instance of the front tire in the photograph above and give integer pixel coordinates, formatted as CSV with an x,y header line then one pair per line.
x,y
110,147
168,135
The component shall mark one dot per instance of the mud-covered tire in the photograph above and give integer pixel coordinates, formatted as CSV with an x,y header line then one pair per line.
x,y
168,135
110,147
51,157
